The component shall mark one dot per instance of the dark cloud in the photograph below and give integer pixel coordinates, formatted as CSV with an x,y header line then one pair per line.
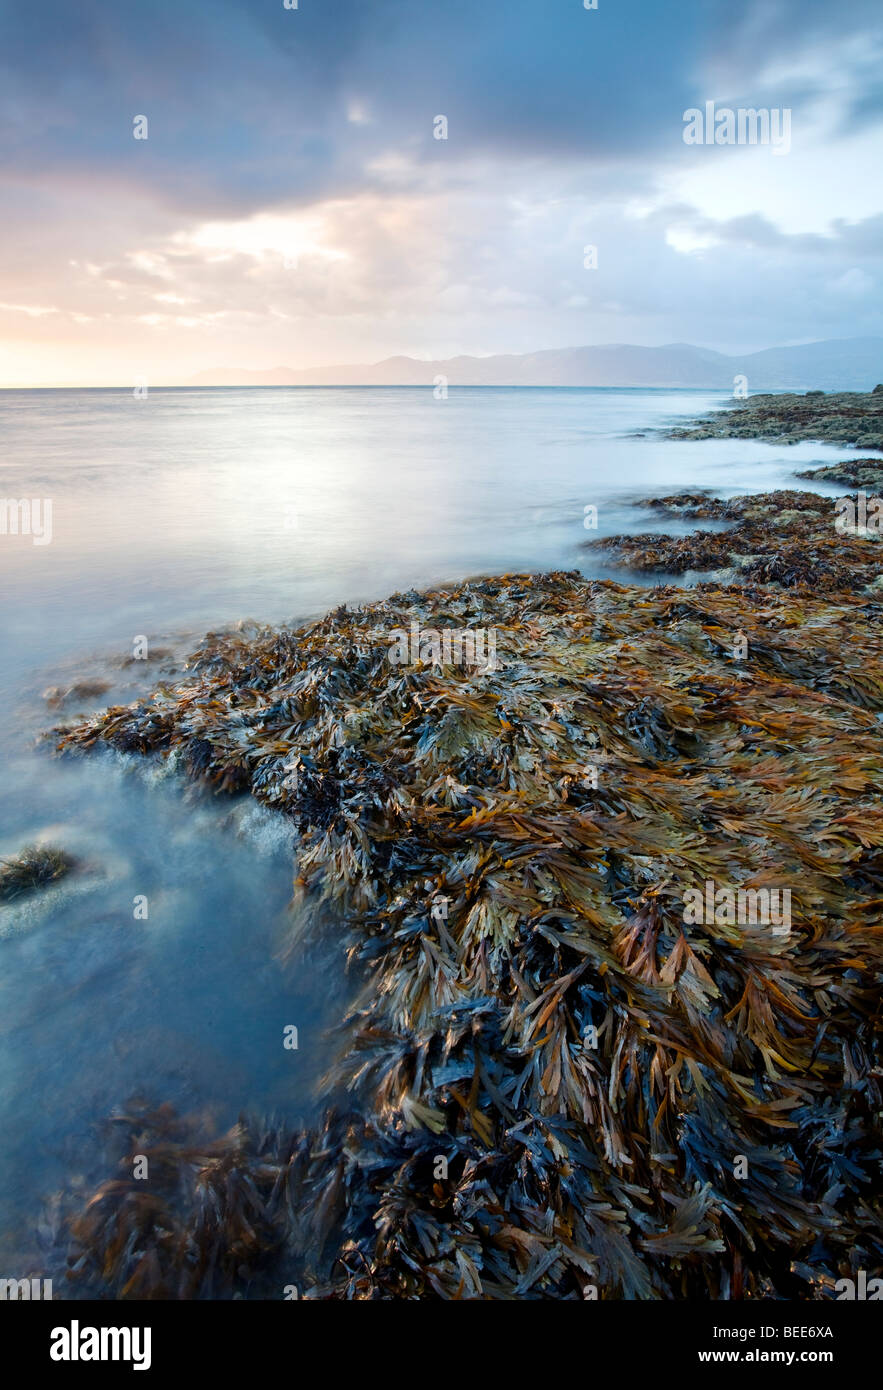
x,y
248,102
565,129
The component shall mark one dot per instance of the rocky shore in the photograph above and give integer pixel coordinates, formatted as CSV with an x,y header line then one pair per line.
x,y
793,540
558,1083
847,417
866,473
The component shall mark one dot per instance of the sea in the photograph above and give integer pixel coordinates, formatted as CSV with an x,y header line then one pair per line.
x,y
156,972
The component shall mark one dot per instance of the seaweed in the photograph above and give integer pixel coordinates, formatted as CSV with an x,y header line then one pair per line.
x,y
209,1217
788,539
845,417
561,1086
33,868
853,472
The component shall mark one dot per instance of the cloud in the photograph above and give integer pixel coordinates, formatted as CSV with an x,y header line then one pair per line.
x,y
291,204
249,103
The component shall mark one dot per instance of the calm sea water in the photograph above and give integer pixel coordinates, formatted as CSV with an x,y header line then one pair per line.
x,y
190,510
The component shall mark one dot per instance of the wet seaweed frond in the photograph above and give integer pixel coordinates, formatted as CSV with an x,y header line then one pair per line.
x,y
187,1217
35,867
559,1077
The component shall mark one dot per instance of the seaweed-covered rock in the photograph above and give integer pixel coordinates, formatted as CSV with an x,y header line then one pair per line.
x,y
35,867
791,539
859,473
558,1076
847,417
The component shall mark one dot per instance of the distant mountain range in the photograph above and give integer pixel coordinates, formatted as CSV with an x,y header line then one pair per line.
x,y
841,364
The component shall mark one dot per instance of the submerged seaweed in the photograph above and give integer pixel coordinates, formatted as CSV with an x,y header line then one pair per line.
x,y
206,1217
33,868
558,1083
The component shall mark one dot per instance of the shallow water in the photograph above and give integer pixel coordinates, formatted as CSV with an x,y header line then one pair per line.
x,y
189,510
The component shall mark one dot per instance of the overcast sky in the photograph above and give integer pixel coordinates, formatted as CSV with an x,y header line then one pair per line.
x,y
291,205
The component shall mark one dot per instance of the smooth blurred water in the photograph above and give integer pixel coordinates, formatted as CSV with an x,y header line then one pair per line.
x,y
190,510
195,507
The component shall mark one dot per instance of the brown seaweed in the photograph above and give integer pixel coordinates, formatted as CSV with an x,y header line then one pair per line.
x,y
790,539
560,1087
34,867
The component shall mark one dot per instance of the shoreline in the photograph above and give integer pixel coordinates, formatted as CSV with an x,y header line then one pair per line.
x,y
561,1078
509,1157
851,418
787,539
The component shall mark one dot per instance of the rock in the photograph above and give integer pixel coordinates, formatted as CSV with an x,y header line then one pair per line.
x,y
787,539
853,472
847,417
33,868
507,1139
57,695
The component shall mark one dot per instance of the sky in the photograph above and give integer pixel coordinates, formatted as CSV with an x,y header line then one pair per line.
x,y
292,206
